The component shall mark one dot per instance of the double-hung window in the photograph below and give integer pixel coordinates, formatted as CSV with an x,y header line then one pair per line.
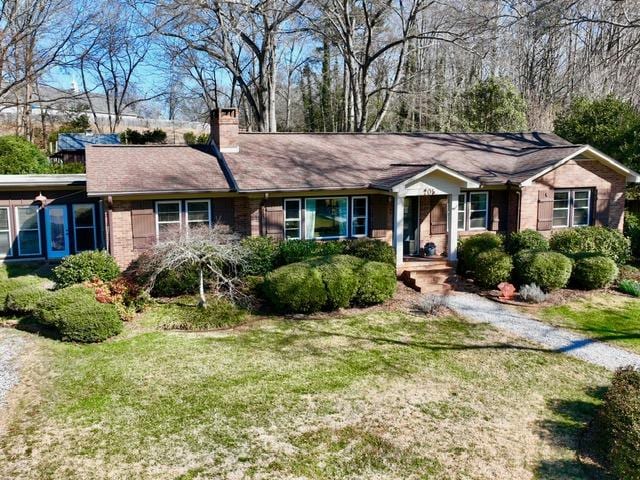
x,y
5,233
168,218
478,210
326,218
359,217
28,230
462,211
198,213
292,219
571,208
84,227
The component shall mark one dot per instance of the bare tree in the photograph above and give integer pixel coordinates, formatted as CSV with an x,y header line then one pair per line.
x,y
214,252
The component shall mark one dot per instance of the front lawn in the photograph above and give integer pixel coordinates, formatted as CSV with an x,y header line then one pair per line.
x,y
606,316
369,395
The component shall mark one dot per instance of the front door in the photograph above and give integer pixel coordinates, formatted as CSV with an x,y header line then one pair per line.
x,y
57,227
410,234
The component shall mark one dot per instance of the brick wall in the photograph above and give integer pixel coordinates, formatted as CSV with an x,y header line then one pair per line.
x,y
122,233
609,206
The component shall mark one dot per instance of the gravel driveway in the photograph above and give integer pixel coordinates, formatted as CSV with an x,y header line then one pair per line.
x,y
479,309
10,347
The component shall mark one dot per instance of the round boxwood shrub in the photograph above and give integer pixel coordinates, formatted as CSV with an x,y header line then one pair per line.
x,y
373,250
262,253
24,300
78,316
548,270
525,240
85,266
594,272
604,241
340,278
492,267
377,283
469,248
295,288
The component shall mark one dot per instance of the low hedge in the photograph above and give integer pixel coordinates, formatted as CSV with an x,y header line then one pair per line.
x,y
262,255
24,300
469,248
295,288
620,420
604,241
330,282
525,240
85,266
632,231
548,270
492,267
372,250
377,283
78,316
293,251
12,284
594,272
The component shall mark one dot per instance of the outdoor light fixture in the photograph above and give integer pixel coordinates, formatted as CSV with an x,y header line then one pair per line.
x,y
41,199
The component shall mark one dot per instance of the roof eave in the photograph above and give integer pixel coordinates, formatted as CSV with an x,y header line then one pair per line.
x,y
157,192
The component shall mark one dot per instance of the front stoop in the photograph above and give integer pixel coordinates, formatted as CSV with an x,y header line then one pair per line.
x,y
428,275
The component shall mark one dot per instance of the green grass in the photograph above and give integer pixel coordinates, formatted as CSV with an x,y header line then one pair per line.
x,y
607,317
379,395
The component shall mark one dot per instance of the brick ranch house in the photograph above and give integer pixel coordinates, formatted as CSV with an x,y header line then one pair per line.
x,y
406,189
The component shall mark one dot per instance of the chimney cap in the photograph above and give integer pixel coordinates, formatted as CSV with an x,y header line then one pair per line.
x,y
229,113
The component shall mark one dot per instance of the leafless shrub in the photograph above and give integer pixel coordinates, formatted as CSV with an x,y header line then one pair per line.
x,y
433,305
532,294
214,251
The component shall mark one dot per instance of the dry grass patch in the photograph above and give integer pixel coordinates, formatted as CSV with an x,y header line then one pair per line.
x,y
379,395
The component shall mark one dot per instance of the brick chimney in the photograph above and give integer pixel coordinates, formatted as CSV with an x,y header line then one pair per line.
x,y
224,129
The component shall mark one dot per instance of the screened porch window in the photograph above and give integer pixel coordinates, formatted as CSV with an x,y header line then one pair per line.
x,y
28,230
326,218
84,228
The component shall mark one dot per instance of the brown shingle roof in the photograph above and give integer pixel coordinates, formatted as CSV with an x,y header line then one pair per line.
x,y
118,169
317,161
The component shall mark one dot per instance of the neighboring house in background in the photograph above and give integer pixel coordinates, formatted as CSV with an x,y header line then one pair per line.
x,y
405,189
70,147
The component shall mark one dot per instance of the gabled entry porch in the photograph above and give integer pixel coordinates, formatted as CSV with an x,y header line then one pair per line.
x,y
426,219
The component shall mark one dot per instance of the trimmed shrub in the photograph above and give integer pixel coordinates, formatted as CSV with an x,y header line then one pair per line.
x,y
525,240
24,300
492,267
620,419
85,266
219,313
340,281
630,287
292,251
78,316
11,284
173,283
594,272
601,240
295,288
262,253
372,250
469,248
548,270
532,294
377,283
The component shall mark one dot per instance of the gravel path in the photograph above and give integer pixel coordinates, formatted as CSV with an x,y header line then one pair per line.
x,y
479,309
10,347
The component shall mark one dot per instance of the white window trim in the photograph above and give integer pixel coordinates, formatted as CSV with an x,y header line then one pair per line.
x,y
462,208
75,228
158,222
573,206
567,208
10,251
338,237
28,230
298,219
486,211
186,210
570,207
366,217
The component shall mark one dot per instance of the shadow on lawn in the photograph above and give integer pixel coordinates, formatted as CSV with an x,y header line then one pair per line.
x,y
574,427
31,325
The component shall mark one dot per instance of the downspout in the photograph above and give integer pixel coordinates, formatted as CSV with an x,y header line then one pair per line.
x,y
110,224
